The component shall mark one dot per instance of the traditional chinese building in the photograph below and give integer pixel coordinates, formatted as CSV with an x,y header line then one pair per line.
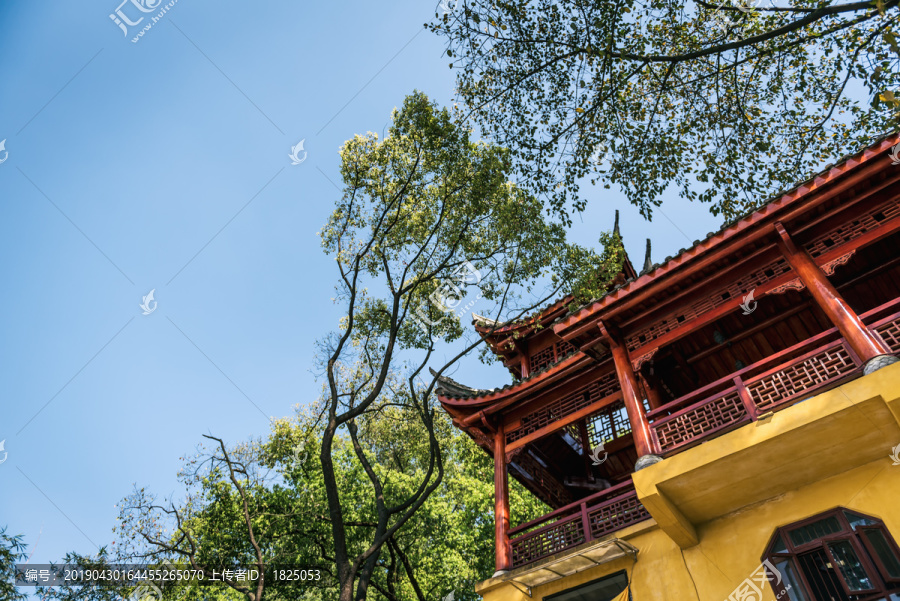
x,y
719,425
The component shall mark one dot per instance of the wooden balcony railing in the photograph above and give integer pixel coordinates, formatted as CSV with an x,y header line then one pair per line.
x,y
576,523
796,373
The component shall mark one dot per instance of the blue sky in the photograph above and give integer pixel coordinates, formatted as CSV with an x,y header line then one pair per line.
x,y
163,164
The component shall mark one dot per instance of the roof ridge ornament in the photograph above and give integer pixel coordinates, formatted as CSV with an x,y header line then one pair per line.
x,y
454,388
486,320
648,263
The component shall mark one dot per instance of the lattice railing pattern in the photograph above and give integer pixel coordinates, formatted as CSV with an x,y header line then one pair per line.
x,y
736,289
853,229
719,412
890,333
541,359
561,407
609,424
603,426
576,523
560,536
547,357
564,348
795,379
616,515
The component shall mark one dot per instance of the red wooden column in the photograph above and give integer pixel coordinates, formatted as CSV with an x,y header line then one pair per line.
x,y
634,405
863,342
652,391
503,552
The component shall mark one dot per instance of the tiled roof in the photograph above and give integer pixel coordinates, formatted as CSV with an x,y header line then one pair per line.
x,y
829,173
452,389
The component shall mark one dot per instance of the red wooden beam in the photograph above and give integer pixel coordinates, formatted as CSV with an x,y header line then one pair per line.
x,y
634,406
863,342
563,422
842,177
503,553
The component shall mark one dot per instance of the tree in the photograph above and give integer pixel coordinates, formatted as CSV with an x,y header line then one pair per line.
x,y
444,547
727,100
427,215
12,550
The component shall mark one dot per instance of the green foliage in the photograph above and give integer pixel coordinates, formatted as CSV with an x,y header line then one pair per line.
x,y
12,550
448,543
419,207
726,101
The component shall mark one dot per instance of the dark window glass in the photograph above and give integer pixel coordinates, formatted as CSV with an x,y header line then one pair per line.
x,y
850,567
818,529
823,581
790,579
884,551
604,589
778,546
858,520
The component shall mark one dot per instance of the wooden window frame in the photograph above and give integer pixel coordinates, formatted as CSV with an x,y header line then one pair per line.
x,y
871,563
861,556
876,559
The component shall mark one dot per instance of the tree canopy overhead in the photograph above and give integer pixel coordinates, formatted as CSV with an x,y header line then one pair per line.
x,y
728,101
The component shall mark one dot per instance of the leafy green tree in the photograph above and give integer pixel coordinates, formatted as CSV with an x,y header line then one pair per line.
x,y
374,486
427,213
727,101
12,550
446,546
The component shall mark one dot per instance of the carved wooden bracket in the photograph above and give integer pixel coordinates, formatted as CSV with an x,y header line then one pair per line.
x,y
829,267
639,362
481,439
794,284
514,453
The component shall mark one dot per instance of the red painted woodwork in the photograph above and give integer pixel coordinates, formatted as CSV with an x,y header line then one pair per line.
x,y
864,169
796,373
679,327
633,402
589,519
868,221
547,413
654,399
863,342
501,503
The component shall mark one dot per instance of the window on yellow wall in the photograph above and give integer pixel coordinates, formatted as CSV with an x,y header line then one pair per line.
x,y
609,588
839,555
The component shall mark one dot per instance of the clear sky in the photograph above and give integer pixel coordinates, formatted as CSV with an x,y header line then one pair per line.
x,y
164,165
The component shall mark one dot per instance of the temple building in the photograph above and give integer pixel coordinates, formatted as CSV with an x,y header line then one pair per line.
x,y
723,425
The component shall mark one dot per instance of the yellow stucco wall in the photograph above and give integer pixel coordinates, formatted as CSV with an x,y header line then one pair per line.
x,y
730,546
